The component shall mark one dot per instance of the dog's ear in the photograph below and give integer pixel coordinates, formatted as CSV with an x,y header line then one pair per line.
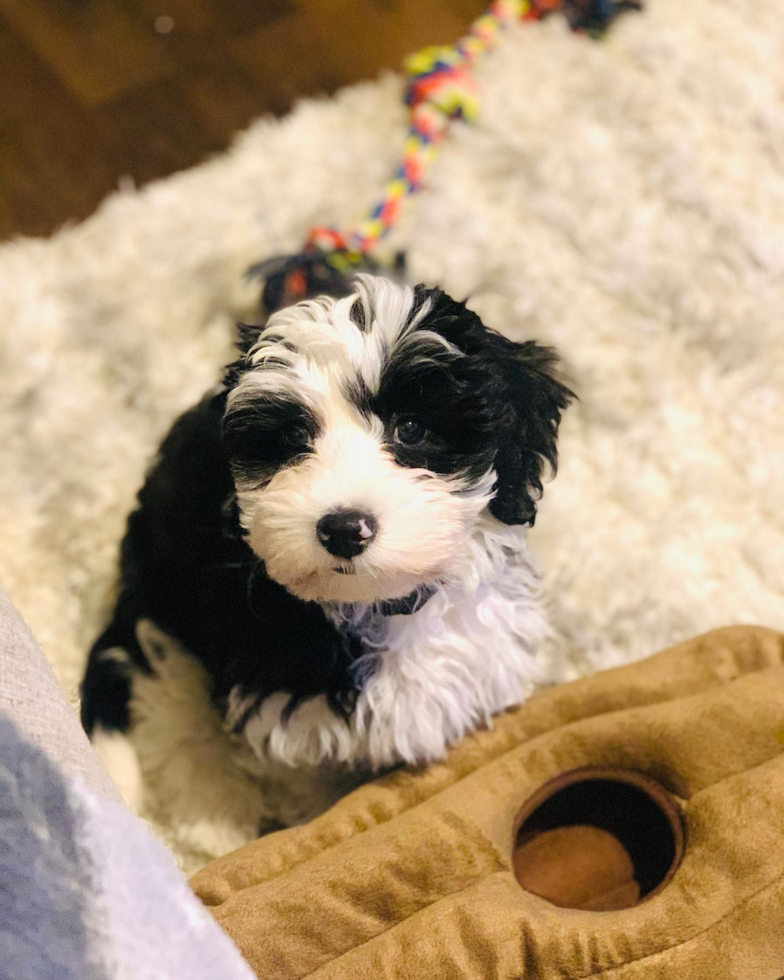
x,y
525,379
536,397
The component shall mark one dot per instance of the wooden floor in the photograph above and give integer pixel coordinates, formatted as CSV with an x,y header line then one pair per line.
x,y
94,90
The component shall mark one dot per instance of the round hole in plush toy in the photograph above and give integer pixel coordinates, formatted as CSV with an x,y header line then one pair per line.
x,y
598,839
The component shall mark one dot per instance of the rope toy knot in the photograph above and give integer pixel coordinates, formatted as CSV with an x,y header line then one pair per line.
x,y
449,89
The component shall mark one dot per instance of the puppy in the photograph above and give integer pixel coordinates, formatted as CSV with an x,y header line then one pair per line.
x,y
338,535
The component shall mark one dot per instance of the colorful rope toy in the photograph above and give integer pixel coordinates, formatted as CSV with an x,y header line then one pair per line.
x,y
440,89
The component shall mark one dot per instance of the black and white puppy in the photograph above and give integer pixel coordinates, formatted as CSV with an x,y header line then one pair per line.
x,y
338,534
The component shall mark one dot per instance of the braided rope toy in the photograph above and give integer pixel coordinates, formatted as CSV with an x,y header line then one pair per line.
x,y
440,90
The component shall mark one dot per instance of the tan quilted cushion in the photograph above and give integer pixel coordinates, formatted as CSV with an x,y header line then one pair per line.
x,y
411,876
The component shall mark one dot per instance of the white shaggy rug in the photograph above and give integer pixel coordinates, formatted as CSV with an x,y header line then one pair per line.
x,y
623,201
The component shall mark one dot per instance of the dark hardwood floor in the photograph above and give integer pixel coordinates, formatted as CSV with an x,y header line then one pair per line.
x,y
95,90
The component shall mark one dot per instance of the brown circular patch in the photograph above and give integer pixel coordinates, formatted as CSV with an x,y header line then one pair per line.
x,y
598,839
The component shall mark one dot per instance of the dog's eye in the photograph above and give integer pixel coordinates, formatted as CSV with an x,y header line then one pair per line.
x,y
410,431
295,437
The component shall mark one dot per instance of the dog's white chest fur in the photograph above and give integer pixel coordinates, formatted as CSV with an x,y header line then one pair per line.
x,y
429,677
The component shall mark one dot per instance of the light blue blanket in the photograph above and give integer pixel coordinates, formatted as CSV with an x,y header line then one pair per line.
x,y
86,891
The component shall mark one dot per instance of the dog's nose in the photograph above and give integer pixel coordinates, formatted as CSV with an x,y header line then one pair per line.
x,y
346,533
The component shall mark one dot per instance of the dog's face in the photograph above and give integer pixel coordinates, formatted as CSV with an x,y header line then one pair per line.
x,y
367,435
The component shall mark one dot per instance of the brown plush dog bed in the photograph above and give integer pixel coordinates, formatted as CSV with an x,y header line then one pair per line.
x,y
626,826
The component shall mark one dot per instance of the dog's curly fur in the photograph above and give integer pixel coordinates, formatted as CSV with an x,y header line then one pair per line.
x,y
425,434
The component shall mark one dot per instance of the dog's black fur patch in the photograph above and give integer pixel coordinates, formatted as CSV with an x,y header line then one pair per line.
x,y
262,437
186,567
496,403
